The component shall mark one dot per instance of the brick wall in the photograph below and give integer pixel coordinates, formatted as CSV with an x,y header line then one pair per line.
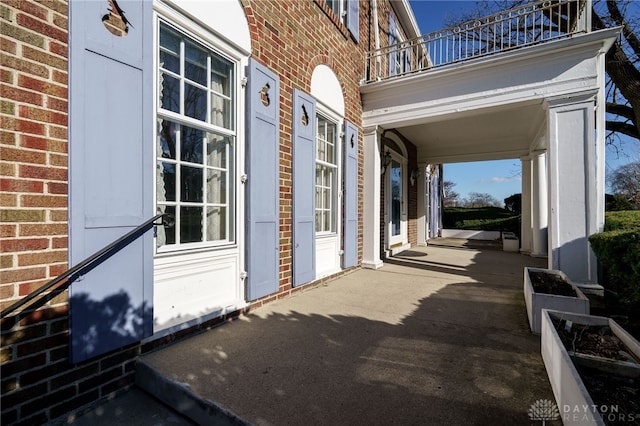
x,y
38,381
292,38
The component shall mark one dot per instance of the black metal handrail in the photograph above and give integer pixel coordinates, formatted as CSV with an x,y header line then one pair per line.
x,y
89,263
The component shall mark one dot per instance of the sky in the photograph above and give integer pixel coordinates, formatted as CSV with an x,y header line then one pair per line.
x,y
498,178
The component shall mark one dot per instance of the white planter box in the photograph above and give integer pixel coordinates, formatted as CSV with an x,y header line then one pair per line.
x,y
535,302
574,402
510,242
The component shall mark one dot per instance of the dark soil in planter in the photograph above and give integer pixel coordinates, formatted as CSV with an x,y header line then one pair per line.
x,y
543,282
617,397
597,340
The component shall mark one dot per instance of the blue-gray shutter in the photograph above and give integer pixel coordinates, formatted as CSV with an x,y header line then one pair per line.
x,y
353,18
304,176
110,175
263,193
350,257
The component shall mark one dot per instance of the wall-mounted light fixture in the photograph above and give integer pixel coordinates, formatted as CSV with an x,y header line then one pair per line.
x,y
385,162
415,173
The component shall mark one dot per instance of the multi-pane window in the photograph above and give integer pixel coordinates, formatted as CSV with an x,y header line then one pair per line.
x,y
337,6
326,175
196,134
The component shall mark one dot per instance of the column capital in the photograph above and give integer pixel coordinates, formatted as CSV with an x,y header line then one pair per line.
x,y
370,130
559,101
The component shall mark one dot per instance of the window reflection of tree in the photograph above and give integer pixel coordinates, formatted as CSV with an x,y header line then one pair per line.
x,y
194,82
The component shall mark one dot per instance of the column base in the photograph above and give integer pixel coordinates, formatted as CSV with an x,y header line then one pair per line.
x,y
372,265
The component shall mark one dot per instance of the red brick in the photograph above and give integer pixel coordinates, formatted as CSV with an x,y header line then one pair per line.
x,y
33,142
7,45
56,270
8,123
7,138
59,160
6,292
30,127
58,49
41,86
23,65
43,201
23,274
29,7
60,76
22,156
46,314
46,173
24,244
8,230
20,185
58,215
58,132
57,188
42,258
41,230
57,104
41,57
59,243
41,27
61,22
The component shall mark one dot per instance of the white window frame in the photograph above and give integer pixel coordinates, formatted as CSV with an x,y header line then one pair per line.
x,y
336,190
341,13
220,47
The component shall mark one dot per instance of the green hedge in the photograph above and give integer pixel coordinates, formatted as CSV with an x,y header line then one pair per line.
x,y
481,218
629,219
618,250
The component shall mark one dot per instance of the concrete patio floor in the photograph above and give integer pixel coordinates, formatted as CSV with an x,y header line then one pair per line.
x,y
438,336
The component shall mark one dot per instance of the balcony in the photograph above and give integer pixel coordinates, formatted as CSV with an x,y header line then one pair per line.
x,y
526,25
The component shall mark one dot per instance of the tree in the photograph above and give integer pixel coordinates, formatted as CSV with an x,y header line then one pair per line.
x,y
513,203
476,199
451,197
621,64
625,182
621,61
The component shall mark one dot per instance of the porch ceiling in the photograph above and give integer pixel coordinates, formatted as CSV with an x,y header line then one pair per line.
x,y
487,134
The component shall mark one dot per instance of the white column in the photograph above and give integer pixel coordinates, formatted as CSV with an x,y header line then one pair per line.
x,y
422,218
371,199
600,144
539,210
573,204
526,227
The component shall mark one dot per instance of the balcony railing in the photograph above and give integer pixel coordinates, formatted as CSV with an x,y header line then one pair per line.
x,y
526,25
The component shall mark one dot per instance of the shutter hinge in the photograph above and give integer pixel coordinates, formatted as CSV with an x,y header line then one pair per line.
x,y
244,178
243,275
244,81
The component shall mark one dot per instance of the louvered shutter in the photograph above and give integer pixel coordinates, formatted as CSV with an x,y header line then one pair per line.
x,y
263,193
110,175
350,257
304,174
353,18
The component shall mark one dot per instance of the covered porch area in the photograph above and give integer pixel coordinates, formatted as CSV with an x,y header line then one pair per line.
x,y
542,104
439,335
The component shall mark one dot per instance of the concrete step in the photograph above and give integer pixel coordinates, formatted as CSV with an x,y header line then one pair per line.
x,y
179,397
